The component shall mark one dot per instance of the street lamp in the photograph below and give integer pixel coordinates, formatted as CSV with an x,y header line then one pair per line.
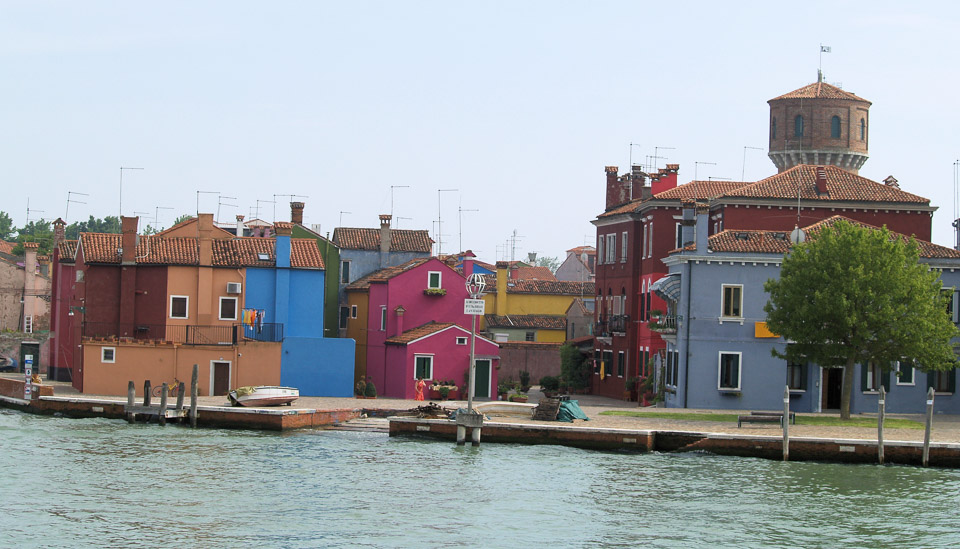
x,y
473,307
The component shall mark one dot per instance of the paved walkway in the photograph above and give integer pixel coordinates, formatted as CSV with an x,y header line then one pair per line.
x,y
946,428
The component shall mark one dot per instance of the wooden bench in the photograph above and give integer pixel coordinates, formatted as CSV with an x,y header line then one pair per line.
x,y
765,417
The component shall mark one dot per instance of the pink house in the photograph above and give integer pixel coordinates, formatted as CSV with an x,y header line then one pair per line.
x,y
404,309
439,351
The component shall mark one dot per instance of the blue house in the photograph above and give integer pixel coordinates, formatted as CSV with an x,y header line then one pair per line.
x,y
718,353
292,296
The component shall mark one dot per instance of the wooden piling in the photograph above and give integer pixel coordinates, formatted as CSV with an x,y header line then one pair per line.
x,y
131,400
786,423
164,392
146,393
194,379
180,398
929,427
881,406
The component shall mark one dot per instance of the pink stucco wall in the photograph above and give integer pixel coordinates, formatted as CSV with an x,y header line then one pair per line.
x,y
450,361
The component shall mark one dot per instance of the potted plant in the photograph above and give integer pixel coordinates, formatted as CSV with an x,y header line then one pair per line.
x,y
631,387
503,387
550,386
360,388
518,395
434,291
524,381
370,391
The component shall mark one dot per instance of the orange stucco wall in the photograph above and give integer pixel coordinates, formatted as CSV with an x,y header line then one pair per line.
x,y
204,286
251,363
357,330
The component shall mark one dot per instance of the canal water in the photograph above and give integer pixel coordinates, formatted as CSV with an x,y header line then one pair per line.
x,y
103,483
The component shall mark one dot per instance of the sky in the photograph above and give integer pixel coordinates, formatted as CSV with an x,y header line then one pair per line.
x,y
497,118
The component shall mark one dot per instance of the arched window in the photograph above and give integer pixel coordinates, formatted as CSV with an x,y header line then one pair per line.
x,y
623,301
798,126
835,127
773,128
863,130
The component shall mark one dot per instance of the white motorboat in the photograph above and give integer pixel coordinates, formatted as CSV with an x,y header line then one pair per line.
x,y
263,395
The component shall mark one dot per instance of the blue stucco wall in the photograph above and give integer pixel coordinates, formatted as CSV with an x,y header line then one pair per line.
x,y
305,307
260,292
762,376
364,262
318,366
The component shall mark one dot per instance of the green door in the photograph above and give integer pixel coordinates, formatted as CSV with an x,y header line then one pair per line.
x,y
482,378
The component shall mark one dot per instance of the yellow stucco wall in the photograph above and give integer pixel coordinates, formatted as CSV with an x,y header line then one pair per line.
x,y
528,304
251,363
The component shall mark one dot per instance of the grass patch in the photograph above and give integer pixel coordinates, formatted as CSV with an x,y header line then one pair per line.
x,y
823,421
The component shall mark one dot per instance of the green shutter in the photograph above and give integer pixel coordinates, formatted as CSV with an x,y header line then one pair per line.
x,y
863,377
885,380
930,375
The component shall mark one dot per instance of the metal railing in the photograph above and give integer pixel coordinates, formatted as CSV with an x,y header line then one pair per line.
x,y
663,325
189,334
608,325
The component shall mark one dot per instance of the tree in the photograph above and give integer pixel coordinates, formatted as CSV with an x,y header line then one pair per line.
x,y
6,226
109,224
35,231
853,294
574,368
182,218
551,263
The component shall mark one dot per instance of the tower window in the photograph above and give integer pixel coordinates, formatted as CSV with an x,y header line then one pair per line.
x,y
798,126
863,129
835,127
773,130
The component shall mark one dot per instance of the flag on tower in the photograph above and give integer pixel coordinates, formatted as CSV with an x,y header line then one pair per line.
x,y
824,49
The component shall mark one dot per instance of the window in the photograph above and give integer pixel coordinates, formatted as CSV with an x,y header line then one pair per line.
x,y
607,363
644,358
729,379
599,249
732,301
611,248
942,382
179,306
835,127
649,304
643,252
623,247
353,311
904,372
650,244
798,126
863,130
423,367
344,314
501,338
621,363
950,294
596,361
773,128
108,355
461,341
668,375
871,378
383,318
530,336
344,272
616,306
433,279
623,302
678,240
676,367
228,308
797,376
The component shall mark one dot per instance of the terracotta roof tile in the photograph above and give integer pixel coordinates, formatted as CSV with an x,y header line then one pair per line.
x,y
236,252
401,240
7,247
820,90
418,332
386,274
699,190
68,250
841,185
534,273
540,322
547,287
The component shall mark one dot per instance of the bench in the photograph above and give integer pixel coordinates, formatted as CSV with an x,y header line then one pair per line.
x,y
765,417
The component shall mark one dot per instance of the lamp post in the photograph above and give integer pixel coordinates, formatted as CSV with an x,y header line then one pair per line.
x,y
473,307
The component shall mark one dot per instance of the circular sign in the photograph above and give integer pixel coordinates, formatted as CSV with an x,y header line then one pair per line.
x,y
475,284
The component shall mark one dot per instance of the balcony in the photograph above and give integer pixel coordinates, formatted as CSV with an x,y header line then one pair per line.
x,y
225,335
663,324
610,325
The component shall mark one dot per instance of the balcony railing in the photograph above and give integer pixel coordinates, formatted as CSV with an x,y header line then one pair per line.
x,y
663,325
190,334
608,325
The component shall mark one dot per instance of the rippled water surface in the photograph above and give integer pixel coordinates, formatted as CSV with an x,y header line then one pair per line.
x,y
102,483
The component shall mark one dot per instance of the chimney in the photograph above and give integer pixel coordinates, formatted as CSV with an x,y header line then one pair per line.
x,y
399,310
468,263
239,226
822,180
128,240
891,181
532,257
703,227
385,233
666,178
687,222
296,213
282,232
205,233
617,188
60,231
500,303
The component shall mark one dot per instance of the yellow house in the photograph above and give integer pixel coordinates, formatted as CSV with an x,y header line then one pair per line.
x,y
523,309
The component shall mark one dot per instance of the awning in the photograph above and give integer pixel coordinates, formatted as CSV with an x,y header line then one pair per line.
x,y
668,287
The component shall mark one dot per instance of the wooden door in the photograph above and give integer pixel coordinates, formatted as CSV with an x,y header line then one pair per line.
x,y
482,378
221,378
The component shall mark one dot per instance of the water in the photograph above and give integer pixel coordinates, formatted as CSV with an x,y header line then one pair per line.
x,y
103,483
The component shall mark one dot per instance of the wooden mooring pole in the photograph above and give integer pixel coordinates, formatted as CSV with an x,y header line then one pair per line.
x,y
180,395
786,423
929,427
164,393
131,400
146,393
194,379
881,406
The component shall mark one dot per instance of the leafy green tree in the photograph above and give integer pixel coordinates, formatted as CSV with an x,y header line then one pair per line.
x,y
853,295
40,232
551,263
109,224
149,230
6,226
574,367
182,218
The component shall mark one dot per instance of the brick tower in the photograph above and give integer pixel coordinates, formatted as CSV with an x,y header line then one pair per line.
x,y
819,124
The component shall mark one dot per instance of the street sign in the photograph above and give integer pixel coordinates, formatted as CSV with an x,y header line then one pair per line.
x,y
27,375
473,306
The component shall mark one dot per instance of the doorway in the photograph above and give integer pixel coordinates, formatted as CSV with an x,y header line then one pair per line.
x,y
482,378
831,387
219,378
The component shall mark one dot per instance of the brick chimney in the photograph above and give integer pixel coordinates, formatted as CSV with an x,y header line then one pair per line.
x,y
666,178
60,232
205,233
296,213
128,240
385,232
688,222
239,226
282,232
618,189
822,180
891,181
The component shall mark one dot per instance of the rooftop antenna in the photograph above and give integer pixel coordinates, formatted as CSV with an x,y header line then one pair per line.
x,y
66,215
121,186
198,202
439,224
656,151
391,195
265,202
743,166
341,217
460,211
514,237
156,215
398,218
220,202
29,210
695,171
956,204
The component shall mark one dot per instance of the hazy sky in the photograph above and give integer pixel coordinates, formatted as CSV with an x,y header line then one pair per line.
x,y
517,105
